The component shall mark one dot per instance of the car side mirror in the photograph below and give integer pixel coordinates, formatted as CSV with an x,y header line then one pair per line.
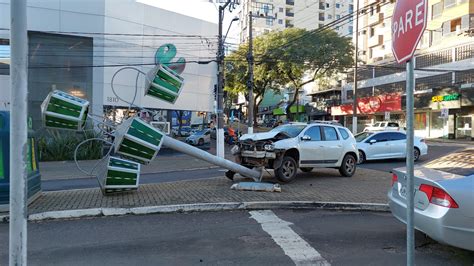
x,y
305,138
372,141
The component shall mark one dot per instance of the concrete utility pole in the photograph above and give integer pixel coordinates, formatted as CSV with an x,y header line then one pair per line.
x,y
250,81
18,131
220,80
354,88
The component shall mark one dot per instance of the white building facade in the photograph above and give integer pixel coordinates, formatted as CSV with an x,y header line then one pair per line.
x,y
78,45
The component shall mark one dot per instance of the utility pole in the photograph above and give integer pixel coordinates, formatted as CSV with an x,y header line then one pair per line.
x,y
18,131
354,88
250,81
220,80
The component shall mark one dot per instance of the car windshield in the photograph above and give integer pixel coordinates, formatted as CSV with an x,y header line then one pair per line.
x,y
290,130
361,136
378,125
200,132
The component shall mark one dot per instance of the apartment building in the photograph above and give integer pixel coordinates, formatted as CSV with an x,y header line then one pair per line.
x,y
280,14
444,60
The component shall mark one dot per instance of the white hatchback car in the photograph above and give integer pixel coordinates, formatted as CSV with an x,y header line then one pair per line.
x,y
387,145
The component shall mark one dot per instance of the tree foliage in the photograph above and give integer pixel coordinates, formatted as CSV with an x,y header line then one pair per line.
x,y
290,58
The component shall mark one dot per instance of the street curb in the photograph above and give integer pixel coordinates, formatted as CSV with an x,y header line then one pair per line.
x,y
204,207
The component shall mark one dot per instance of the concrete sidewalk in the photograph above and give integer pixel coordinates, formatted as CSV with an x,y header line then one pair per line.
x,y
323,185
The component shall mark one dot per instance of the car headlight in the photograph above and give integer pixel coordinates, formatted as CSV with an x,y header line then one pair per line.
x,y
235,150
269,147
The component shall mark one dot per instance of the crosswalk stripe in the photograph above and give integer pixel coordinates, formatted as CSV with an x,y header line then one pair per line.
x,y
292,244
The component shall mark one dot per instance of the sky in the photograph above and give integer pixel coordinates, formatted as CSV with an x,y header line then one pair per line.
x,y
201,9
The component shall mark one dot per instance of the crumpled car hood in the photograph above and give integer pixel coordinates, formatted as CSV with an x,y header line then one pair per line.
x,y
272,135
260,136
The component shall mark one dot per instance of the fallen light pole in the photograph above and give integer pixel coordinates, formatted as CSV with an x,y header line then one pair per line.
x,y
205,156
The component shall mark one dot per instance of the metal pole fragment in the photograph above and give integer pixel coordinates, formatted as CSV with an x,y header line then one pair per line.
x,y
354,106
410,163
18,132
220,89
250,81
205,156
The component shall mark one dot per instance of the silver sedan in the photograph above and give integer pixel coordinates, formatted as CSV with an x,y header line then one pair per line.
x,y
444,198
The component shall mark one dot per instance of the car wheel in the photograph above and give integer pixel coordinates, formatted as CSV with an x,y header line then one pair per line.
x,y
287,171
361,157
306,169
348,166
201,142
416,154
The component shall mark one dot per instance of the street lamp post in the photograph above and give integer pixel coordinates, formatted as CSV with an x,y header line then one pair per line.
x,y
220,79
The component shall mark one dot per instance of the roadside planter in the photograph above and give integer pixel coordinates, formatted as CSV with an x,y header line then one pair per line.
x,y
163,83
120,175
64,111
137,140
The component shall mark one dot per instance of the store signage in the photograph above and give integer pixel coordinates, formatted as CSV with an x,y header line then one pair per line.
x,y
445,98
371,105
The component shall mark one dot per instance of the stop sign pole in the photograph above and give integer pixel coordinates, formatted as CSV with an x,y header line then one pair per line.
x,y
408,25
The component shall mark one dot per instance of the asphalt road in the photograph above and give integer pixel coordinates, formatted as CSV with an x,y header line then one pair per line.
x,y
434,152
281,237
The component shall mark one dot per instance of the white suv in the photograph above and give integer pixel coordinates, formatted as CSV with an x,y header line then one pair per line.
x,y
298,145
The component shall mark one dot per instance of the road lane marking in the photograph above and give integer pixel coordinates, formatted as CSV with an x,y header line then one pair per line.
x,y
292,244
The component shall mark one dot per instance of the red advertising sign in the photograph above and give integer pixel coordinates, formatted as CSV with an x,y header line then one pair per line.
x,y
371,105
408,24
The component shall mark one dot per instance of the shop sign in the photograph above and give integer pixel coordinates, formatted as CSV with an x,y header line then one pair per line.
x,y
445,98
371,105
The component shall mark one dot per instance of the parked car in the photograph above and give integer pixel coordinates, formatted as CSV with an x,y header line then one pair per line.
x,y
200,137
444,198
387,145
185,131
380,126
298,145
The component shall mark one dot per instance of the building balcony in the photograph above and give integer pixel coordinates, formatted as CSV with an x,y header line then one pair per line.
x,y
375,19
375,40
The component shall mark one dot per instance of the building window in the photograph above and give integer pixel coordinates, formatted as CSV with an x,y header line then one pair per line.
x,y
280,9
269,21
321,16
68,51
351,29
351,8
327,5
280,21
437,9
338,16
449,3
329,17
337,27
4,57
455,24
338,5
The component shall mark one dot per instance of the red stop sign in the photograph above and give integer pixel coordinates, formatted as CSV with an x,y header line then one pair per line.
x,y
408,24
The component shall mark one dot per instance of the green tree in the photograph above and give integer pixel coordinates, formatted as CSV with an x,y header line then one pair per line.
x,y
236,72
303,57
289,59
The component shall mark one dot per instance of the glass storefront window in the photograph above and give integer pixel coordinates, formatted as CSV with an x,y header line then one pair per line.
x,y
463,126
420,121
437,125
